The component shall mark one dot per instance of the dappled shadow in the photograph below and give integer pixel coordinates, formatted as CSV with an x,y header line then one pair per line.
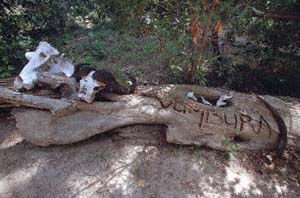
x,y
126,165
8,137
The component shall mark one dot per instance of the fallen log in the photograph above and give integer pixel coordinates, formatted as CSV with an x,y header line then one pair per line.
x,y
246,122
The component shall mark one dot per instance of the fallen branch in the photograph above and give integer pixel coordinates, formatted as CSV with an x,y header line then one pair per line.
x,y
246,122
40,102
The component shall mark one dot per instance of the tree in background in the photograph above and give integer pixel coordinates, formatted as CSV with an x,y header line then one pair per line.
x,y
188,29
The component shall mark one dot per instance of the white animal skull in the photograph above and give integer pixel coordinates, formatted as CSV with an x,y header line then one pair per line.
x,y
44,58
89,88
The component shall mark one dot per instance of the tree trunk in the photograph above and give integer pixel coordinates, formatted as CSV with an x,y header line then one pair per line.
x,y
246,121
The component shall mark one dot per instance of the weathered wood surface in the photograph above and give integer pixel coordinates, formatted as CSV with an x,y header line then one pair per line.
x,y
54,82
248,105
68,85
40,102
247,121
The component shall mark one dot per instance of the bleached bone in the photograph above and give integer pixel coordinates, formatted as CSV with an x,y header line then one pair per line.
x,y
61,64
37,58
191,95
222,100
29,55
89,88
206,102
44,58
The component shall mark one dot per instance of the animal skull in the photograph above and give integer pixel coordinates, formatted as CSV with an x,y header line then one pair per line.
x,y
89,87
44,58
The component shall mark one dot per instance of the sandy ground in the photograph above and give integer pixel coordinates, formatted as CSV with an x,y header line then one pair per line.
x,y
135,163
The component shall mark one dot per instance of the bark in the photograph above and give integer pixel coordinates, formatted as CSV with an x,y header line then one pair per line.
x,y
246,122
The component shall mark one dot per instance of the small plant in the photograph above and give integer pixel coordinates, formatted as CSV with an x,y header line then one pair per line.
x,y
200,77
176,73
197,151
181,151
230,150
138,169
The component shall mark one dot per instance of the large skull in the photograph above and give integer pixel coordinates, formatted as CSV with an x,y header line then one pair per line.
x,y
89,87
44,58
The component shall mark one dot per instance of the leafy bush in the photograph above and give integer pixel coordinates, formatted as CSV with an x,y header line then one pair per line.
x,y
272,25
22,24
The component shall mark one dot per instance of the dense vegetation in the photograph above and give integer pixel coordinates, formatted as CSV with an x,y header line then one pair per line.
x,y
190,38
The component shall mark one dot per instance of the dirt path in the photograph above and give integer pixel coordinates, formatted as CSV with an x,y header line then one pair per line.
x,y
128,165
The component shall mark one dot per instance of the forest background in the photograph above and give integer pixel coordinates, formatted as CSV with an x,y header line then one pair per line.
x,y
249,46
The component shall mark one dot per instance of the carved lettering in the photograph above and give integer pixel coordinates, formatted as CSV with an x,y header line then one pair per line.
x,y
207,116
212,117
201,119
215,114
262,121
228,123
245,119
267,124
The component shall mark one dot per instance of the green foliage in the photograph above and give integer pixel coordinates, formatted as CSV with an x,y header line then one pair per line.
x,y
200,77
177,74
125,13
279,31
46,15
151,45
165,25
6,71
273,26
22,22
278,72
275,72
197,152
230,150
138,169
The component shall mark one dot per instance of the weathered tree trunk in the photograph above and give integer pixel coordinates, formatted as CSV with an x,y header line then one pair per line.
x,y
247,121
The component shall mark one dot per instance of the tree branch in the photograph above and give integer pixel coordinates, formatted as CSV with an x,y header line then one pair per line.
x,y
272,15
40,102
